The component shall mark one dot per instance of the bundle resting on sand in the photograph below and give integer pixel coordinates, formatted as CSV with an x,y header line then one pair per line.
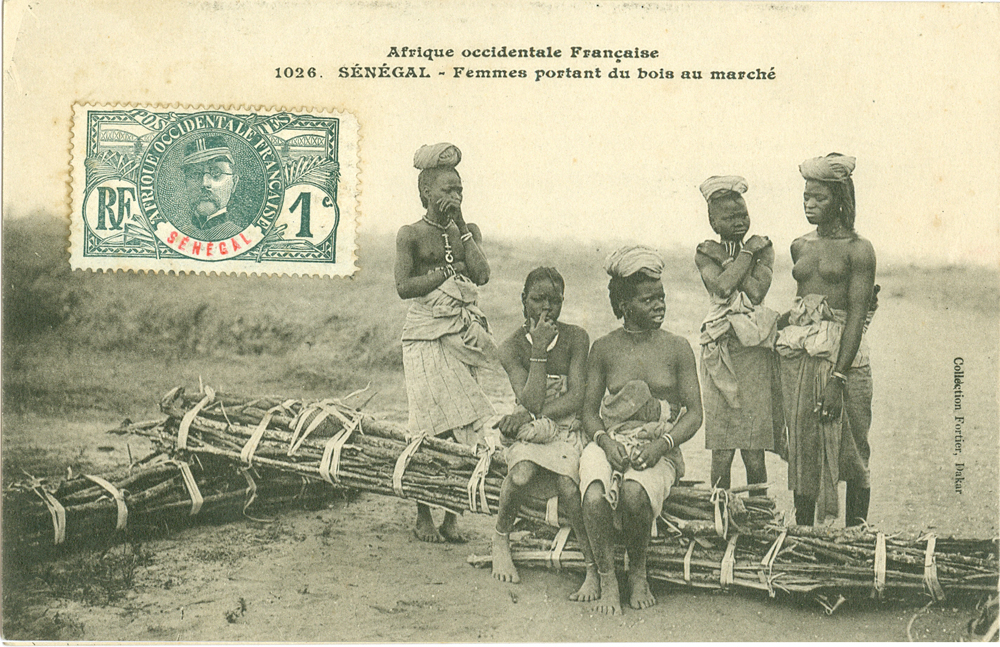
x,y
227,454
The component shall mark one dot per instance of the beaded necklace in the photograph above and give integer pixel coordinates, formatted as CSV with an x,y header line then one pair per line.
x,y
449,257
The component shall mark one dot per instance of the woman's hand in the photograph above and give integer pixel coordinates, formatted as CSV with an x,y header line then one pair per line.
x,y
510,424
830,401
452,207
543,332
649,454
757,243
615,451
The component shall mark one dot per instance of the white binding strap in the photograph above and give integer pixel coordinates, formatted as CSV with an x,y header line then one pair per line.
x,y
118,497
402,462
185,427
552,511
720,501
58,513
558,544
930,570
728,562
477,483
687,562
251,494
329,465
192,487
880,560
768,562
299,422
246,454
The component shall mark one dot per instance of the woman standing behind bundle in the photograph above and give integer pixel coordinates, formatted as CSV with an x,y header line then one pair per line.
x,y
546,362
739,370
825,376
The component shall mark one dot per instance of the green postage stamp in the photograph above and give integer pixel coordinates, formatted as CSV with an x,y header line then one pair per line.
x,y
214,190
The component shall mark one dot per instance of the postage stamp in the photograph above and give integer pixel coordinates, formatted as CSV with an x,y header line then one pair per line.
x,y
214,190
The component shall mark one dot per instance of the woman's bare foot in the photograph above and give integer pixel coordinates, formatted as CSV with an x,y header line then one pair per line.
x,y
503,566
591,588
609,603
424,528
449,530
640,597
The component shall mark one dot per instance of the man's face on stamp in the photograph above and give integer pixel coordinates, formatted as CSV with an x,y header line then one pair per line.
x,y
210,186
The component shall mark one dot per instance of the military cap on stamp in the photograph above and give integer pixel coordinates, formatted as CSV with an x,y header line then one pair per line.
x,y
206,149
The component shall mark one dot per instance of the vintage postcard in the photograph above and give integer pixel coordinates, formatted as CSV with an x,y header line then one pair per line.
x,y
194,190
492,322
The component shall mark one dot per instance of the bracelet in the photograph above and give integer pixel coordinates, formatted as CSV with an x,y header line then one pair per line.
x,y
597,434
840,376
746,251
538,359
670,441
466,237
449,271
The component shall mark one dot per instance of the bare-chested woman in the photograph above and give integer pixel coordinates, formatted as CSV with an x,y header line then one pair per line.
x,y
642,403
546,361
439,264
825,375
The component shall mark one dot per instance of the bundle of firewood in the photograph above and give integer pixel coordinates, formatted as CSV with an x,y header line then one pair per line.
x,y
825,562
160,491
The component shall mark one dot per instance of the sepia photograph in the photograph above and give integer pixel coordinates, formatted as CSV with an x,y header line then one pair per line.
x,y
482,322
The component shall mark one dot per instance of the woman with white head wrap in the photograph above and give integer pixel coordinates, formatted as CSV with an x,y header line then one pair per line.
x,y
826,379
642,402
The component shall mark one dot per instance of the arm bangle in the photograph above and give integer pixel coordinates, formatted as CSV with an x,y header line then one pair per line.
x,y
746,251
840,376
597,434
466,237
538,359
670,441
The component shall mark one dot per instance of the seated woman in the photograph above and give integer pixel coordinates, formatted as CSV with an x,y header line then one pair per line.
x,y
642,402
739,368
546,361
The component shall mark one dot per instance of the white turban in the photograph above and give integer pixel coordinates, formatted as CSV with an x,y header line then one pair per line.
x,y
626,261
438,155
832,168
728,183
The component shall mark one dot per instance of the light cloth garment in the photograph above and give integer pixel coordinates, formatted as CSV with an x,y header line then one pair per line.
x,y
446,341
741,388
626,261
832,168
433,156
551,444
820,454
727,183
634,417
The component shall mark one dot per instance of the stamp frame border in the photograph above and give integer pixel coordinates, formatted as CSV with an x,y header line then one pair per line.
x,y
348,201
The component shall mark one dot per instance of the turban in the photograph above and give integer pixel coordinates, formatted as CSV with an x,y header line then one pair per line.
x,y
832,168
626,261
438,155
728,183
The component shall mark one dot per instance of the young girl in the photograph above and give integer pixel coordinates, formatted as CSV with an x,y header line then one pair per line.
x,y
739,370
546,362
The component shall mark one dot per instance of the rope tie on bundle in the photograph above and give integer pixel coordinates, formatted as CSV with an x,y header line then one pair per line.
x,y
329,465
477,481
58,513
324,409
558,544
191,485
185,426
768,563
250,448
880,560
552,511
402,462
728,563
687,562
930,570
720,501
119,498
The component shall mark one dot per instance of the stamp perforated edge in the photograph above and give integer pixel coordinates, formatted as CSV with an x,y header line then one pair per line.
x,y
349,188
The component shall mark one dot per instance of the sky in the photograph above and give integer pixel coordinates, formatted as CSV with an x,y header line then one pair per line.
x,y
910,90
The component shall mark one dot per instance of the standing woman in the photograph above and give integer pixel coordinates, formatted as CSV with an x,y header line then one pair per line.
x,y
739,368
826,379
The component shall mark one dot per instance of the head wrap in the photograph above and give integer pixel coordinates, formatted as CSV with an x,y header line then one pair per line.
x,y
626,261
206,149
727,183
438,155
832,168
